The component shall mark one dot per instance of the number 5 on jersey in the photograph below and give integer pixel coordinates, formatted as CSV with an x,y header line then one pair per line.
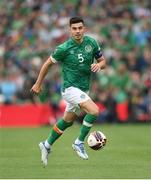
x,y
80,58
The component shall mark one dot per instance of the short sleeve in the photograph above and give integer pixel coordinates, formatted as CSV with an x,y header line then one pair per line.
x,y
58,54
97,50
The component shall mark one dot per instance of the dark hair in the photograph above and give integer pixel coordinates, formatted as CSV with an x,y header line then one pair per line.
x,y
77,19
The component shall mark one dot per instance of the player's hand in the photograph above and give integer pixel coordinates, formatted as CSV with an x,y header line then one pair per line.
x,y
36,89
95,67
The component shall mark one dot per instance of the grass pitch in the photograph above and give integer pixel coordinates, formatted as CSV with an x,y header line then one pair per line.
x,y
126,155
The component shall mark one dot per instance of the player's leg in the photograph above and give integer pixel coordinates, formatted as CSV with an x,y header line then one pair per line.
x,y
92,113
56,132
59,127
77,97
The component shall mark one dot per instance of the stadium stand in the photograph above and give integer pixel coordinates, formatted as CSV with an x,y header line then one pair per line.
x,y
30,30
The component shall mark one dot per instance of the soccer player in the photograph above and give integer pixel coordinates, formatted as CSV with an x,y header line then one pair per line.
x,y
76,56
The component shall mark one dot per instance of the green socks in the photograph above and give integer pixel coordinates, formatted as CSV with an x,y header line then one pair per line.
x,y
57,130
61,125
86,126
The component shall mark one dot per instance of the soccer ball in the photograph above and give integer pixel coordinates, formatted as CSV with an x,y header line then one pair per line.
x,y
96,140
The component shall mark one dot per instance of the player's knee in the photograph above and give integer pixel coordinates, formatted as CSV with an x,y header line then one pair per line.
x,y
95,111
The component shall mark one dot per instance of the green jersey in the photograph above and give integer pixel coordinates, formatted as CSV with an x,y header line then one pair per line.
x,y
76,59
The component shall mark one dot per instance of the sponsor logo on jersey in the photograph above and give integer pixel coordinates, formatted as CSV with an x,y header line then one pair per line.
x,y
88,48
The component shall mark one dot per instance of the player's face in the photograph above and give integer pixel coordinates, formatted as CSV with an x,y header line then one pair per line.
x,y
77,31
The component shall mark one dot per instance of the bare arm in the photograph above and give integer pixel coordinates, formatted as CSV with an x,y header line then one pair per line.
x,y
101,64
43,72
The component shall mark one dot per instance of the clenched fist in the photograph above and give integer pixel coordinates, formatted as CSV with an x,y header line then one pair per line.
x,y
36,89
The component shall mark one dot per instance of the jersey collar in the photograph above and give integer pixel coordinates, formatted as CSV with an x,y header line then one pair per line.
x,y
75,42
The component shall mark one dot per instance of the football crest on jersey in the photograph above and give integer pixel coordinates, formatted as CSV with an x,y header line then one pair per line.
x,y
82,96
88,48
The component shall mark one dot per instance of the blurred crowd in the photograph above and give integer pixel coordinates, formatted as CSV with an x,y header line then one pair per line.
x,y
31,29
